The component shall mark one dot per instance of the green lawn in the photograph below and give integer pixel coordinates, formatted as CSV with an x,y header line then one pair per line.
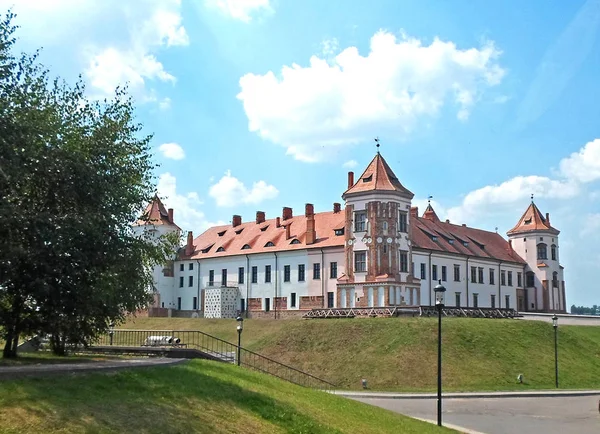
x,y
47,357
200,397
401,353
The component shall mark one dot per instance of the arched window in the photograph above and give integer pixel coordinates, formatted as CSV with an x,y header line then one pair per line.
x,y
269,244
555,280
542,251
245,247
220,249
295,241
553,252
385,226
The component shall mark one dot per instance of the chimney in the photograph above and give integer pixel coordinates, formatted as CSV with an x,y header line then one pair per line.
x,y
189,247
548,218
350,179
337,207
447,220
309,210
464,225
311,233
171,215
510,245
287,231
237,220
287,213
277,222
414,211
260,217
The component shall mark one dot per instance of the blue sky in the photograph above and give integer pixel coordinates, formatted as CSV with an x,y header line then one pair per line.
x,y
260,104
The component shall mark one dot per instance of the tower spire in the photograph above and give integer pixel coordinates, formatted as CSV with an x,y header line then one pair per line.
x,y
531,197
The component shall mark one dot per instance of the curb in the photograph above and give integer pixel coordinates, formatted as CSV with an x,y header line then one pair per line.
x,y
458,395
458,428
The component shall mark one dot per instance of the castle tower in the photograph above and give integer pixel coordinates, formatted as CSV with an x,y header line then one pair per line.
x,y
536,241
377,247
156,221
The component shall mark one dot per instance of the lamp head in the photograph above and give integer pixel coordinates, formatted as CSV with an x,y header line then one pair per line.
x,y
440,292
554,321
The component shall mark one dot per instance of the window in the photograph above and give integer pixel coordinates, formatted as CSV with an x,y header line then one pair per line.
x,y
330,299
530,279
434,272
385,248
267,274
339,231
264,228
220,249
423,271
475,300
178,303
493,301
402,223
507,301
191,281
542,252
269,244
404,262
211,277
181,281
480,274
444,274
503,278
181,267
473,274
491,276
456,273
293,299
295,241
254,277
242,305
221,233
224,277
191,266
510,283
519,279
245,246
333,270
241,275
301,272
360,262
385,227
360,219
553,252
457,299
195,303
316,271
555,280
286,273
412,268
267,304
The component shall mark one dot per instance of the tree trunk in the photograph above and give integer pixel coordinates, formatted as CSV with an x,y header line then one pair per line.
x,y
57,344
8,347
15,344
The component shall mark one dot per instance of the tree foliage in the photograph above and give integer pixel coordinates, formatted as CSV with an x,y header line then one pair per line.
x,y
584,310
74,174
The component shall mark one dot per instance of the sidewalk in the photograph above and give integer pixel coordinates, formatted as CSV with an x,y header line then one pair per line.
x,y
10,372
465,395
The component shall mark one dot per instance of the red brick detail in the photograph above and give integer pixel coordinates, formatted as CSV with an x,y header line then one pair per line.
x,y
563,301
337,207
260,217
545,296
348,250
311,302
311,232
382,257
287,213
350,179
189,247
236,220
280,303
170,213
254,304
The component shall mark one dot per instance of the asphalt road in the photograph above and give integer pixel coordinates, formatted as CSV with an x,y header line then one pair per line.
x,y
556,415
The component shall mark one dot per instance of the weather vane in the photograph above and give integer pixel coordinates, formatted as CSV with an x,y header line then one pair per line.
x,y
531,197
377,141
429,199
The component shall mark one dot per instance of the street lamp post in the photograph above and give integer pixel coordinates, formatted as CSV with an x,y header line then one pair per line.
x,y
240,328
439,304
111,331
555,325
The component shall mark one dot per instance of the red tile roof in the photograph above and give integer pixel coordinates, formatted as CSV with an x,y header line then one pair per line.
x,y
156,214
256,236
432,234
378,176
532,220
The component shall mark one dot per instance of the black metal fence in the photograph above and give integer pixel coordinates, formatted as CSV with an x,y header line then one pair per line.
x,y
215,347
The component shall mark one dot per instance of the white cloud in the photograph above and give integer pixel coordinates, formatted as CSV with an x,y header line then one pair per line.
x,y
165,103
243,10
591,226
172,151
230,191
314,109
350,164
584,165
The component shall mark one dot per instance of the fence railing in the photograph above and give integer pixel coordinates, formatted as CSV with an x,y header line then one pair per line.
x,y
214,347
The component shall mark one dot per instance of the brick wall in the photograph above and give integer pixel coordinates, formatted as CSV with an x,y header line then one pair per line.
x,y
254,304
313,302
281,314
158,312
280,303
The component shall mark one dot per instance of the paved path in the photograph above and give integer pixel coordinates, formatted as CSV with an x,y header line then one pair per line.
x,y
547,415
563,319
9,372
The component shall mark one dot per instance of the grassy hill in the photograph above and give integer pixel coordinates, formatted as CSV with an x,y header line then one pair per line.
x,y
400,353
199,397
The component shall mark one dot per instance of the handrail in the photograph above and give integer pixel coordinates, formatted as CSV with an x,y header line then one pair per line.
x,y
213,346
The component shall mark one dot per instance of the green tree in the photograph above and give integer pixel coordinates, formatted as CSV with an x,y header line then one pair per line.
x,y
74,174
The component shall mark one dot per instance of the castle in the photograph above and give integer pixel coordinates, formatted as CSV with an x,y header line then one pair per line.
x,y
376,250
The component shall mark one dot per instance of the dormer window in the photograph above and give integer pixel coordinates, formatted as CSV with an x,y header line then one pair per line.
x,y
434,238
339,231
220,249
239,231
221,233
528,221
368,178
245,247
264,228
466,244
295,241
269,244
451,241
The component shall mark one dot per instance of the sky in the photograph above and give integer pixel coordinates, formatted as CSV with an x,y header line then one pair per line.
x,y
260,104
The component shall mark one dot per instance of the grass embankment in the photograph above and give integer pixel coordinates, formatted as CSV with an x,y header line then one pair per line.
x,y
201,397
401,353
